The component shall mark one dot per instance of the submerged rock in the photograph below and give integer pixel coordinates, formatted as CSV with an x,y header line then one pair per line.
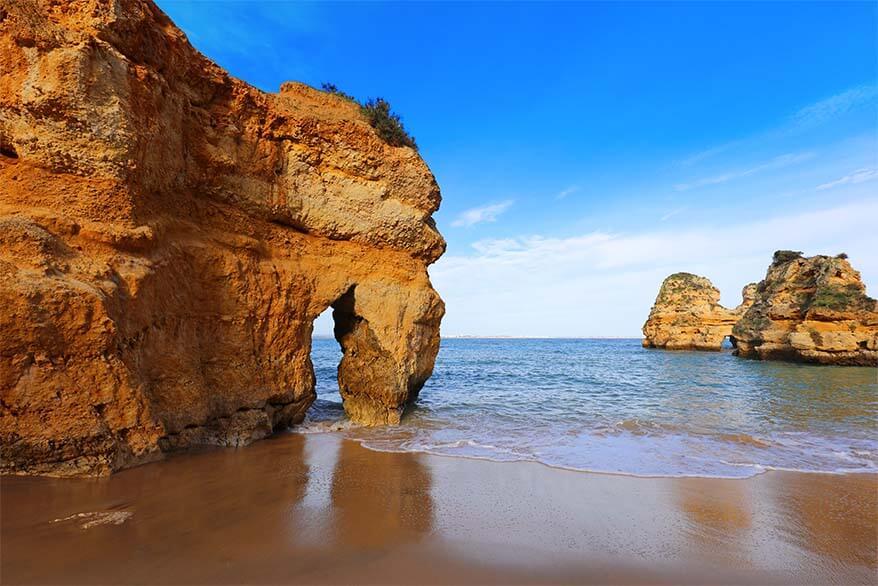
x,y
687,315
168,234
812,309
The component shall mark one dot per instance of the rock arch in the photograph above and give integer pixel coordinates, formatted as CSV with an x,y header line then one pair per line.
x,y
389,337
171,301
687,315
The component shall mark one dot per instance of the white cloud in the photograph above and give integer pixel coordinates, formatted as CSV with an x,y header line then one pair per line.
x,y
487,213
565,192
834,106
775,163
603,284
858,176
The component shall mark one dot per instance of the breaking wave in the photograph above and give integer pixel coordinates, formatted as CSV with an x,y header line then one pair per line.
x,y
611,406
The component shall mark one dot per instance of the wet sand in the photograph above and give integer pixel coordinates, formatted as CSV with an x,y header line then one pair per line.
x,y
318,509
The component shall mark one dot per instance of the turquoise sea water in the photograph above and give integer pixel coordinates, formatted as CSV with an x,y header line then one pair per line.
x,y
612,406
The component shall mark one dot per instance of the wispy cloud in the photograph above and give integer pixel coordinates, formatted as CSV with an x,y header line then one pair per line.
x,y
487,213
565,192
858,176
607,281
834,106
708,153
809,116
672,213
605,249
775,163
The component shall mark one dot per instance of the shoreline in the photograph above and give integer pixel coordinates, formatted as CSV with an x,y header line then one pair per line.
x,y
321,509
764,469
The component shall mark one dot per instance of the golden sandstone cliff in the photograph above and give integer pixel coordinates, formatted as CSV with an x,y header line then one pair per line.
x,y
811,309
806,309
687,315
168,234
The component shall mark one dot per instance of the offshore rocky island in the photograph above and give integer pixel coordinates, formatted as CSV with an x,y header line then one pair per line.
x,y
168,234
808,309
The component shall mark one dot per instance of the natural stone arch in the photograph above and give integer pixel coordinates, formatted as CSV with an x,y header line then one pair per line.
x,y
171,302
389,336
366,373
687,315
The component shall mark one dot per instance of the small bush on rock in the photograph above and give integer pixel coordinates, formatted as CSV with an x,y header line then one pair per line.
x,y
782,256
331,88
387,123
849,297
377,111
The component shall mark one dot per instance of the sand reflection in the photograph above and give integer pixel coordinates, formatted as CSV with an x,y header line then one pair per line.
x,y
185,517
832,516
719,516
380,499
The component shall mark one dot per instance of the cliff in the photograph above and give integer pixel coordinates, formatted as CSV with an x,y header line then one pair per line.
x,y
811,309
687,315
168,234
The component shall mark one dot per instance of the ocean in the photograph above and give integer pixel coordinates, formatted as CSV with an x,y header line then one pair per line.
x,y
609,405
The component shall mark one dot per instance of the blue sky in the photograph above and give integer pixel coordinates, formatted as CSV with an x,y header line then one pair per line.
x,y
587,150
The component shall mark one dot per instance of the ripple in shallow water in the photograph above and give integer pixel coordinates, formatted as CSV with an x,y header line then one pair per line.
x,y
612,406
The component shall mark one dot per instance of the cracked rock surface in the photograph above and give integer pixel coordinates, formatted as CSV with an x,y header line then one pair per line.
x,y
811,309
168,234
687,315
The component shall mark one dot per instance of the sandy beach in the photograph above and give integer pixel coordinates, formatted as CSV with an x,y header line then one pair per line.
x,y
319,509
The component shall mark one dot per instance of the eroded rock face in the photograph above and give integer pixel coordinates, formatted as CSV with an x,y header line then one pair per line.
x,y
687,315
168,234
811,309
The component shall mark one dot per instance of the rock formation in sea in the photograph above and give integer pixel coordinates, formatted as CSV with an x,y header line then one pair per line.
x,y
687,315
168,234
812,309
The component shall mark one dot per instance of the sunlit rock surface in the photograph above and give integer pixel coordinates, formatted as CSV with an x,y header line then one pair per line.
x,y
687,315
168,234
812,309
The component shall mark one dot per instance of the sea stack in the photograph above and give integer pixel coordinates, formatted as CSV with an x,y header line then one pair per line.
x,y
687,315
812,309
168,234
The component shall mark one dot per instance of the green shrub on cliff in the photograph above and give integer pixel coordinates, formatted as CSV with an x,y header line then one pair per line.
x,y
387,123
782,256
331,88
841,298
377,111
750,324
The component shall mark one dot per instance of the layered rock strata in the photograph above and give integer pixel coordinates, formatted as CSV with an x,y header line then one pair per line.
x,y
687,315
168,234
812,309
